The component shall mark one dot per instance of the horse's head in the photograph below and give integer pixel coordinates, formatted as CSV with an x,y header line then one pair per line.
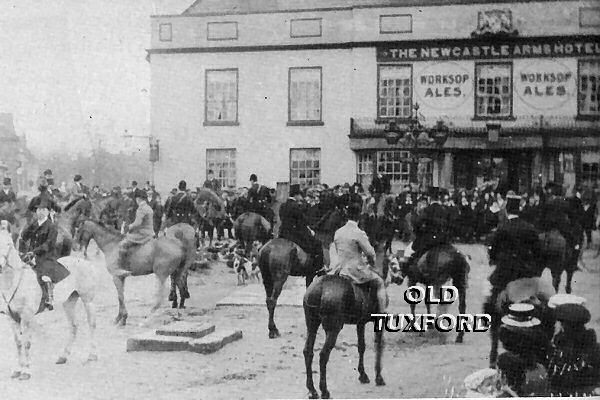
x,y
9,256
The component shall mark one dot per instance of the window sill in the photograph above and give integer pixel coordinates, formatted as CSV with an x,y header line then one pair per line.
x,y
490,118
387,120
580,117
305,123
221,123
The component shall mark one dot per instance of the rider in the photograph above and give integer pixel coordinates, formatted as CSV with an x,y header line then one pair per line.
x,y
77,190
180,207
212,183
432,227
140,231
258,197
39,238
295,228
43,195
349,242
514,248
7,197
556,216
110,214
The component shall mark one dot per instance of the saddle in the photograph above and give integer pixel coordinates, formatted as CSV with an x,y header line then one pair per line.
x,y
358,299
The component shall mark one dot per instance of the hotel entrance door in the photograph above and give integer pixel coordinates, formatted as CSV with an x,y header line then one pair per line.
x,y
511,169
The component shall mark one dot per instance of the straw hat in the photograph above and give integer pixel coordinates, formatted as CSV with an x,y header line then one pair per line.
x,y
520,315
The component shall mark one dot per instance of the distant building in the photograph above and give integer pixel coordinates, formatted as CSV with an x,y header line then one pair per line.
x,y
16,161
304,91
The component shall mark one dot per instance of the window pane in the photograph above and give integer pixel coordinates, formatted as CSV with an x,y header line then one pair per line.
x,y
494,93
305,167
305,94
589,87
395,89
221,95
222,163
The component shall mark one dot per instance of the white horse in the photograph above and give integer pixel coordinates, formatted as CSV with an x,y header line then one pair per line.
x,y
20,298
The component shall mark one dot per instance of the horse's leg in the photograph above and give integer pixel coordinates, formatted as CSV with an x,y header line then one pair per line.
x,y
556,272
26,343
462,308
312,326
16,328
271,304
159,293
412,305
173,292
90,311
182,285
360,333
570,273
332,329
122,315
379,344
69,307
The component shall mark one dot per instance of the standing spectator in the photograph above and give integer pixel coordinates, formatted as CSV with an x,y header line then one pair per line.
x,y
588,221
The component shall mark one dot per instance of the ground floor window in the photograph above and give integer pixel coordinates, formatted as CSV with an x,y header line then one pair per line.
x,y
222,163
365,167
394,164
590,169
305,167
401,167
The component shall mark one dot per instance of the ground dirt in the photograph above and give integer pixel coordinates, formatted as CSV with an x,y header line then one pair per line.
x,y
255,367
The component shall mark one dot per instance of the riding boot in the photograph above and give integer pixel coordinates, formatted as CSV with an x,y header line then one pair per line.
x,y
47,293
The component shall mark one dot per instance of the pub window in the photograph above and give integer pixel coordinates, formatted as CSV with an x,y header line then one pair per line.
x,y
589,88
305,167
305,27
395,164
395,91
305,94
222,163
165,32
221,96
365,168
222,31
493,97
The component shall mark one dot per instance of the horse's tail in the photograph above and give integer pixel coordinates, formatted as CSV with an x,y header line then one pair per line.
x,y
460,272
264,265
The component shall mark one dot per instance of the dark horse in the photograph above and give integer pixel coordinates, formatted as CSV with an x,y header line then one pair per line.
x,y
333,301
557,257
280,258
436,267
250,227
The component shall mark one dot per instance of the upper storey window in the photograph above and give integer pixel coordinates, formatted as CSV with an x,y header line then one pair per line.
x,y
398,23
589,17
222,30
493,96
395,91
306,27
589,88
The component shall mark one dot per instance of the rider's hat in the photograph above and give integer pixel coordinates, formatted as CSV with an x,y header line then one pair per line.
x,y
295,190
574,313
48,172
512,204
520,315
77,178
253,178
182,185
141,194
6,181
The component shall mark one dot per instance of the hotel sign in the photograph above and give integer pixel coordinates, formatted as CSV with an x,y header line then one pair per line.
x,y
505,48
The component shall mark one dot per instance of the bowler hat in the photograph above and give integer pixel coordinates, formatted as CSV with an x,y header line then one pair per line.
x,y
77,178
575,313
520,315
6,181
48,172
182,185
253,178
141,194
295,190
512,204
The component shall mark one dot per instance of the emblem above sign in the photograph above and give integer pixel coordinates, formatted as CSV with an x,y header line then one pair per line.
x,y
495,22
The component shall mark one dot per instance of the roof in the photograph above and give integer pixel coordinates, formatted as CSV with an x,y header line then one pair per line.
x,y
210,7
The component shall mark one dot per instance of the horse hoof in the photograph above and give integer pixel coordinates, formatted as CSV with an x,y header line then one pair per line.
x,y
92,358
174,305
364,378
24,376
325,395
313,395
61,360
15,374
274,334
379,381
182,307
459,339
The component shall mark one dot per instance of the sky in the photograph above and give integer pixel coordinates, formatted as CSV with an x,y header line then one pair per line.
x,y
74,73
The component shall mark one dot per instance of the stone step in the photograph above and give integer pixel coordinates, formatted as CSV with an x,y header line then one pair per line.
x,y
193,330
150,341
215,341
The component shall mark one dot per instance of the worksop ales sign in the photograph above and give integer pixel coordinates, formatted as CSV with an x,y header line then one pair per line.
x,y
509,48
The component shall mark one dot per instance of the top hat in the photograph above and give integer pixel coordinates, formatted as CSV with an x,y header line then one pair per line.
x,y
182,185
295,190
134,183
6,181
520,315
77,178
253,178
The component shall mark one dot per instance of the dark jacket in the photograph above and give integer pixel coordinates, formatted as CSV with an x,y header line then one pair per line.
x,y
213,185
45,195
41,240
180,208
515,249
556,216
294,226
9,197
432,228
589,217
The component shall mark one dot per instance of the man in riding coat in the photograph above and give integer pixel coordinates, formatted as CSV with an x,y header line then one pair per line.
x,y
110,214
77,190
212,183
555,215
295,228
432,227
350,243
180,207
44,195
515,248
258,197
139,232
7,195
39,239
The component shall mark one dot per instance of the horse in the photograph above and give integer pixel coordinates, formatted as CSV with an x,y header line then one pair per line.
x,y
555,257
436,267
250,227
186,234
333,301
536,291
325,229
22,299
165,256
